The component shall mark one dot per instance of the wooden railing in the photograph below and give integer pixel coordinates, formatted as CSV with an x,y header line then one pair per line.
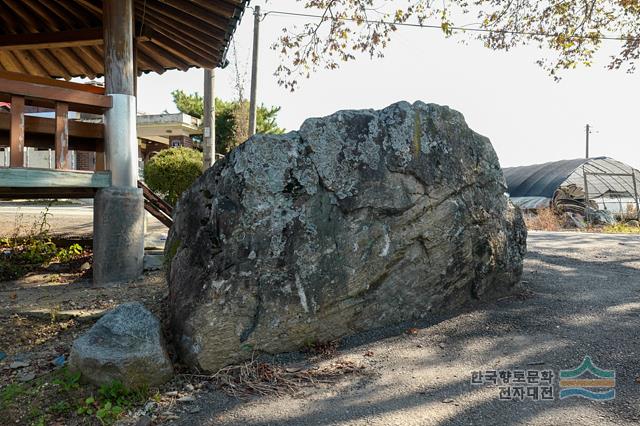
x,y
156,206
18,130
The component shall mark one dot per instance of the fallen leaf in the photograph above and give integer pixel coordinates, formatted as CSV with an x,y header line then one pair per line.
x,y
412,331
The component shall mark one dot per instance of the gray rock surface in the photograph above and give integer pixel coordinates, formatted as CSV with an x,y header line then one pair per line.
x,y
359,220
573,220
125,344
601,217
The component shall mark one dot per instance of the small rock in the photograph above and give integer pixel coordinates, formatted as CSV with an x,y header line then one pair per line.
x,y
171,393
153,262
442,345
189,387
149,407
447,401
26,377
169,416
59,361
144,421
85,266
126,344
18,364
186,399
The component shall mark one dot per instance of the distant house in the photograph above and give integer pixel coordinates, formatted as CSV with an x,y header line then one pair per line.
x,y
601,182
161,131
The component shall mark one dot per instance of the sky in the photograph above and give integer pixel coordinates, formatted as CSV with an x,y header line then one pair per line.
x,y
505,96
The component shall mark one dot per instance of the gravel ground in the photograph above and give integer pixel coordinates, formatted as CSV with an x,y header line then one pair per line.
x,y
580,295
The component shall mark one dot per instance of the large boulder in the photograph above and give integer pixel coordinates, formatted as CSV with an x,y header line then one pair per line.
x,y
126,345
359,220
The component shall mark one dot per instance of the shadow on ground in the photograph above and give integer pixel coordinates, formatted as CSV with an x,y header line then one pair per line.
x,y
580,296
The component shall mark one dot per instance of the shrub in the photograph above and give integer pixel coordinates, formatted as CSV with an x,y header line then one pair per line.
x,y
172,171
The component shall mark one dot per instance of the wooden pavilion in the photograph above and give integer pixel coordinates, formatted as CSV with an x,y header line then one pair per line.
x,y
42,42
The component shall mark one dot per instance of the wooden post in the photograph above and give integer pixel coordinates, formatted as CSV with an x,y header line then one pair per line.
x,y
118,46
62,136
100,160
121,146
118,212
17,131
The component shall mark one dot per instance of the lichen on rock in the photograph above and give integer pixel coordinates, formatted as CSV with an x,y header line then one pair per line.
x,y
359,220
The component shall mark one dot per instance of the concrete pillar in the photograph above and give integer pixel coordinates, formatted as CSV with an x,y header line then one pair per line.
x,y
118,235
119,211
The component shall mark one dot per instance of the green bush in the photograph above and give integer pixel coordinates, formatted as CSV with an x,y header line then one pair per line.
x,y
171,171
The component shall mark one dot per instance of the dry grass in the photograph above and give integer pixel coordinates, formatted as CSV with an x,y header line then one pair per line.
x,y
261,378
544,220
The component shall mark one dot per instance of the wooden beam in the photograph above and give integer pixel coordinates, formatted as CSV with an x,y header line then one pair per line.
x,y
76,98
17,132
53,23
69,56
46,193
158,54
46,126
47,178
53,40
200,13
176,19
90,88
62,136
46,142
30,64
51,63
10,63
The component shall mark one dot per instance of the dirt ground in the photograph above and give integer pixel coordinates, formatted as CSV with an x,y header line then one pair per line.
x,y
580,296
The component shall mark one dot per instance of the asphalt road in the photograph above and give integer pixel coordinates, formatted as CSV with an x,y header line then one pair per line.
x,y
74,220
580,296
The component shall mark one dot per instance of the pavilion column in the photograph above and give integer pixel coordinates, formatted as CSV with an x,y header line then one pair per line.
x,y
119,211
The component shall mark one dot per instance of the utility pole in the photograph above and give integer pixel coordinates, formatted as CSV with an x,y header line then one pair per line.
x,y
254,72
209,120
587,133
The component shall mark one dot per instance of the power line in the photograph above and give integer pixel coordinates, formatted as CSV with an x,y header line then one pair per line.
x,y
431,26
